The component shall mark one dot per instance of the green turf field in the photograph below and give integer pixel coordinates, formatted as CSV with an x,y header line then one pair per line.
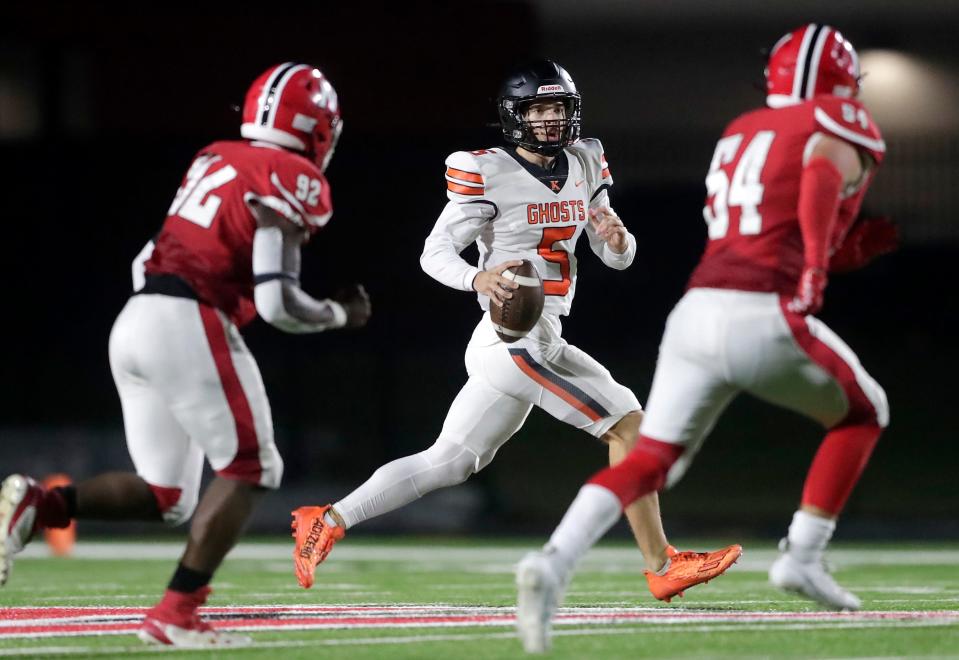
x,y
433,599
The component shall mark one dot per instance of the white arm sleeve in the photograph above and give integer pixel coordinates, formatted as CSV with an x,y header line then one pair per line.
x,y
138,267
458,225
602,250
268,276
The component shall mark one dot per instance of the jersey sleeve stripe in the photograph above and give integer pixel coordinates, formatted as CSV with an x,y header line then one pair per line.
x,y
460,182
603,187
280,206
830,125
464,190
318,220
463,175
605,172
287,195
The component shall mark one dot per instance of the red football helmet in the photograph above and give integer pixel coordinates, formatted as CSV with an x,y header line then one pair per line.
x,y
812,60
294,106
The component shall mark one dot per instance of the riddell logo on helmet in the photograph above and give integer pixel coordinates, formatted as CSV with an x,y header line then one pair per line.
x,y
548,89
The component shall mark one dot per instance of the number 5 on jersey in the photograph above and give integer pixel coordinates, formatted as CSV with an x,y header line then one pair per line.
x,y
546,250
745,189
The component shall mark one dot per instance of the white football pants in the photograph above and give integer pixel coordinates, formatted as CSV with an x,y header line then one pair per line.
x,y
190,388
719,342
505,382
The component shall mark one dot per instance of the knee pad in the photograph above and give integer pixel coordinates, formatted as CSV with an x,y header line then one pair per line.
x,y
483,460
449,464
175,505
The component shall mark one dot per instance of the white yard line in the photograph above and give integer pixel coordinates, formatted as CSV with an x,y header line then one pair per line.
x,y
46,651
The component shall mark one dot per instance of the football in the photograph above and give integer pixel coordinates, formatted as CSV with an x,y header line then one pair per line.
x,y
520,313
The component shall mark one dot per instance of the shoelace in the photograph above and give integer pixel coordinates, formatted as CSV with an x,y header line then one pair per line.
x,y
688,563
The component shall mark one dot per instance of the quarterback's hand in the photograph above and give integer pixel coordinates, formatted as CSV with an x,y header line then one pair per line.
x,y
356,302
610,228
809,293
867,239
492,283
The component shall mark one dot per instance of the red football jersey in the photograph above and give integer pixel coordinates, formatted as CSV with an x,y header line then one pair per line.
x,y
755,243
207,237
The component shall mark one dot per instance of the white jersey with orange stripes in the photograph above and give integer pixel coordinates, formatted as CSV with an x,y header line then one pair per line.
x,y
514,210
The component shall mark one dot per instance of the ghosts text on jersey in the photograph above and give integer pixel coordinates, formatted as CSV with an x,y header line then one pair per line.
x,y
562,211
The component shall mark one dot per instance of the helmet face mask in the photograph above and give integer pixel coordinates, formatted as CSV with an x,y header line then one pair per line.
x,y
294,106
325,144
541,82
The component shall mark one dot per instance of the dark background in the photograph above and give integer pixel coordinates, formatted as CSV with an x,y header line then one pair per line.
x,y
102,109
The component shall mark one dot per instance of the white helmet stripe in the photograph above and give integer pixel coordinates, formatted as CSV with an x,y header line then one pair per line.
x,y
801,61
278,94
262,103
816,61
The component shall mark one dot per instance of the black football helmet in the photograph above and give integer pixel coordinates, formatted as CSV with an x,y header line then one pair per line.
x,y
539,80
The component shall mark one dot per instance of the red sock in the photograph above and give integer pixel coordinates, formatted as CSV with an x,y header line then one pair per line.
x,y
53,509
641,472
841,458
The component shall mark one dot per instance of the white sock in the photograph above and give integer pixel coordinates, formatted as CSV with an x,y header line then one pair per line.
x,y
328,519
389,488
808,536
588,518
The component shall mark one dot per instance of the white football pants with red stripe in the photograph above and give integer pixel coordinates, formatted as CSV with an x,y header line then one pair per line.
x,y
719,342
190,388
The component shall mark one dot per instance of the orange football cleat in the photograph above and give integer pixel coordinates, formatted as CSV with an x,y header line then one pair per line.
x,y
687,569
314,540
62,540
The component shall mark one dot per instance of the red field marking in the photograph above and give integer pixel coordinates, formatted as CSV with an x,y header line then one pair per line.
x,y
19,622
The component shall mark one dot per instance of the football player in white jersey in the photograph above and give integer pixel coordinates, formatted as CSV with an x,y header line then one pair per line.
x,y
532,199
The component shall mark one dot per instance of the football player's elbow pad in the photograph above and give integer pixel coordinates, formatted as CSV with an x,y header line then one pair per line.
x,y
269,281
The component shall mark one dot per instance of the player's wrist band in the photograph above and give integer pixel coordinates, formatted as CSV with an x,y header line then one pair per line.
x,y
339,314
